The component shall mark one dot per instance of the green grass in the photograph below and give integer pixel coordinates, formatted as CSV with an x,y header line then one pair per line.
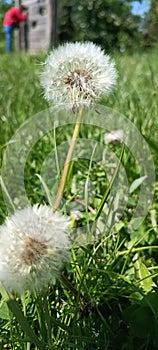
x,y
117,274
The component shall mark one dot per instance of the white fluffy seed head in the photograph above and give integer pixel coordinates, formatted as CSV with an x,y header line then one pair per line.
x,y
34,244
78,73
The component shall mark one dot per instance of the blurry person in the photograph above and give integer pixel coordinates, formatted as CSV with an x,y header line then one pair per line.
x,y
11,21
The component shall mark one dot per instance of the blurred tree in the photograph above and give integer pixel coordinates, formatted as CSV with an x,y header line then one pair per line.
x,y
109,23
152,26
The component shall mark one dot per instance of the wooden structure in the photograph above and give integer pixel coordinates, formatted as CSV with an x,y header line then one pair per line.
x,y
40,31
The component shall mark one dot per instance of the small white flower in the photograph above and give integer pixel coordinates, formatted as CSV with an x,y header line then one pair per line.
x,y
115,136
34,244
76,215
77,73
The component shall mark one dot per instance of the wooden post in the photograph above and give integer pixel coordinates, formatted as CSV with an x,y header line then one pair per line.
x,y
17,32
52,25
21,35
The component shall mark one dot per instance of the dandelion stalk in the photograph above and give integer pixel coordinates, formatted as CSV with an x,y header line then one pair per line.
x,y
68,161
67,284
76,75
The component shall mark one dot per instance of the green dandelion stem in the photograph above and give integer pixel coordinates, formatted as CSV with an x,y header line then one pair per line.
x,y
64,280
68,162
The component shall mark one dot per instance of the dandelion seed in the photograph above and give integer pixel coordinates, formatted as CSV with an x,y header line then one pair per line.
x,y
77,73
34,244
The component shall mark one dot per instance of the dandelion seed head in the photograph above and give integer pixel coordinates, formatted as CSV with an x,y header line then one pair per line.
x,y
34,244
78,73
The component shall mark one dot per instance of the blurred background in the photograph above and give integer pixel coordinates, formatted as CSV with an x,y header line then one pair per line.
x,y
114,24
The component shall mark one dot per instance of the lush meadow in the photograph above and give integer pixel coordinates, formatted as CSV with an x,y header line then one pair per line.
x,y
112,299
